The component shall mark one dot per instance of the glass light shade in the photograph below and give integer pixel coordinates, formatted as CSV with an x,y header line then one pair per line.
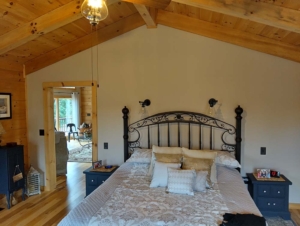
x,y
94,10
211,112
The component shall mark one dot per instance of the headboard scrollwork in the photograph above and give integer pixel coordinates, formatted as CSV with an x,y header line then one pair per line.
x,y
179,118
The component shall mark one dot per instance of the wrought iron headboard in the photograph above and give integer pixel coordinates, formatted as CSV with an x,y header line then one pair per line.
x,y
183,117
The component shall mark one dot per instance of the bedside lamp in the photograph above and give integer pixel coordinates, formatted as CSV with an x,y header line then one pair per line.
x,y
2,131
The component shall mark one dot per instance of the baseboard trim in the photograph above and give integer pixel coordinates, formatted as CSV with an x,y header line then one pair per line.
x,y
294,206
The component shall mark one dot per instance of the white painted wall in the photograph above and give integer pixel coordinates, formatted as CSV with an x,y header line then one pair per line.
x,y
181,71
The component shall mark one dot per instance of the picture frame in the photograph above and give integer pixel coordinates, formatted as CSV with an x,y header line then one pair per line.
x,y
97,164
263,173
5,106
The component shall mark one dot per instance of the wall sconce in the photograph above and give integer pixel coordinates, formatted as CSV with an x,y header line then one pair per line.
x,y
212,102
144,104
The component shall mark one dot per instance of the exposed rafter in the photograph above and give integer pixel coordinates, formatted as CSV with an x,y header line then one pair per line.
x,y
158,4
42,25
229,35
148,16
258,11
104,34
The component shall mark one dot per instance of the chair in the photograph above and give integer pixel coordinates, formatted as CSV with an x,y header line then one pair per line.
x,y
71,125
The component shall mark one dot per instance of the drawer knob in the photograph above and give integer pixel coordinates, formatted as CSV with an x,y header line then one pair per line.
x,y
265,191
278,192
274,204
269,203
92,180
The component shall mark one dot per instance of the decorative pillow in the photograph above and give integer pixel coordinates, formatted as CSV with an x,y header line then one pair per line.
x,y
204,154
181,181
199,164
168,158
160,173
141,156
165,150
225,158
200,181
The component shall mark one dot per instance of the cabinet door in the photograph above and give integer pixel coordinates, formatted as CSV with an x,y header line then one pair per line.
x,y
15,158
3,171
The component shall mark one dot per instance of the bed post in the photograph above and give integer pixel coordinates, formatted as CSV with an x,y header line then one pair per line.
x,y
238,137
125,112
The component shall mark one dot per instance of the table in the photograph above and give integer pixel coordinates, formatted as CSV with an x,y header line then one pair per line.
x,y
271,197
95,179
86,137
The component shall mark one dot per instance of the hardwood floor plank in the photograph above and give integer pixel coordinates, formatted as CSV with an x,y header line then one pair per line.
x,y
295,214
49,208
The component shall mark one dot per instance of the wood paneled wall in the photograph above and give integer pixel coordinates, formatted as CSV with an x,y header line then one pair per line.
x,y
16,128
86,104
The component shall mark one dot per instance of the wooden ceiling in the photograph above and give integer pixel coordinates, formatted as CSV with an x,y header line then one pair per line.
x,y
38,33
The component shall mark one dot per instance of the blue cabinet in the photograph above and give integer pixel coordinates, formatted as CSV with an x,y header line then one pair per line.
x,y
10,158
95,179
271,197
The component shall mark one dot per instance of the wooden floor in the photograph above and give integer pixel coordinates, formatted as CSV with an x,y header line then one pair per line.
x,y
50,207
296,216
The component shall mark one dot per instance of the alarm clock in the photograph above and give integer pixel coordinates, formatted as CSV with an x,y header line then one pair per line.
x,y
275,173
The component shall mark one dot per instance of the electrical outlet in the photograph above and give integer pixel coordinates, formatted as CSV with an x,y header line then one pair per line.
x,y
105,145
263,151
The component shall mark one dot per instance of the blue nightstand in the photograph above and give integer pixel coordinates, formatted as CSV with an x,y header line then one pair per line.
x,y
95,179
271,197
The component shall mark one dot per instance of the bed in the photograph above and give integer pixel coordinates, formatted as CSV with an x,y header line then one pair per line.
x,y
133,195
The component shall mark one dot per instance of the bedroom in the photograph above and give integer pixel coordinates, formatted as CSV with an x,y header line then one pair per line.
x,y
193,69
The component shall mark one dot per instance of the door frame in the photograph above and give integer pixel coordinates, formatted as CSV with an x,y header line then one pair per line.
x,y
50,155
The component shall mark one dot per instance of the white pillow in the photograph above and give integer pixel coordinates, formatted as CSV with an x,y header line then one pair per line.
x,y
141,156
160,173
164,150
200,181
181,181
224,158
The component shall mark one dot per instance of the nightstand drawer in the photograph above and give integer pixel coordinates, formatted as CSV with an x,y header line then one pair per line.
x,y
272,204
101,179
264,190
278,191
91,180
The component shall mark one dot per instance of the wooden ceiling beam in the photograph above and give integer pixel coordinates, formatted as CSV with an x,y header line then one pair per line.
x,y
104,34
258,11
229,35
148,16
42,25
158,4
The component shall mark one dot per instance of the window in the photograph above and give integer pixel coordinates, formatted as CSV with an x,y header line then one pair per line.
x,y
62,113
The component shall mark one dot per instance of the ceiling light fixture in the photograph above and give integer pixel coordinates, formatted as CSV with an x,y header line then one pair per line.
x,y
94,10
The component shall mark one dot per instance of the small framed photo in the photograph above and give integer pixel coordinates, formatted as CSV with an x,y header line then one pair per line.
x,y
5,106
97,164
263,173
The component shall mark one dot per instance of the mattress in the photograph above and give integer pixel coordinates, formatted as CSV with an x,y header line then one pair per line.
x,y
126,199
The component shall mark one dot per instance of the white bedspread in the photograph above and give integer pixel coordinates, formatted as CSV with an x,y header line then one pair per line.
x,y
134,203
126,199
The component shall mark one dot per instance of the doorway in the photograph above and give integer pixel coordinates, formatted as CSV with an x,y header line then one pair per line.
x,y
50,155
